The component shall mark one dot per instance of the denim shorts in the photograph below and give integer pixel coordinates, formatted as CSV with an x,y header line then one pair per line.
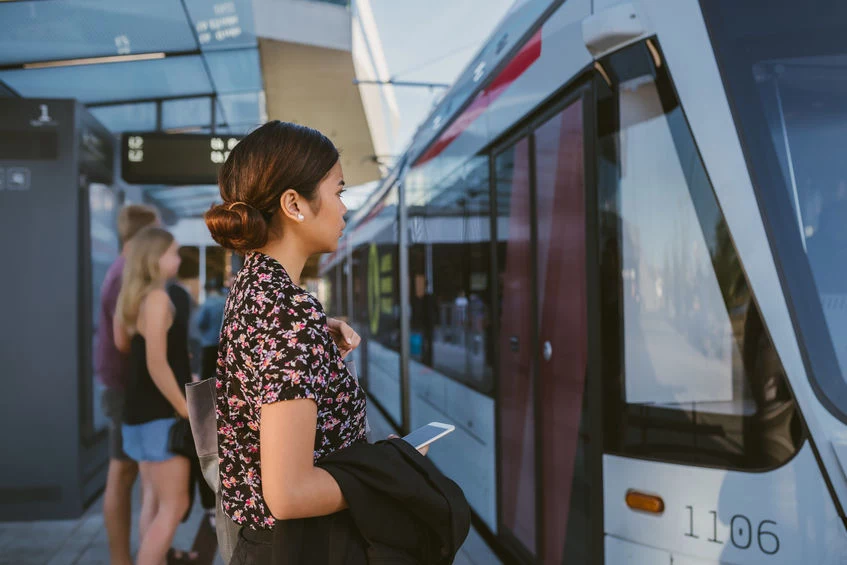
x,y
148,441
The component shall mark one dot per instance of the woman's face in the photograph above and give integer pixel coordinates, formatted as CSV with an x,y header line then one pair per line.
x,y
326,227
169,262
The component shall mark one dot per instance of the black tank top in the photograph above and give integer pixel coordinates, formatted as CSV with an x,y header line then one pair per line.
x,y
144,402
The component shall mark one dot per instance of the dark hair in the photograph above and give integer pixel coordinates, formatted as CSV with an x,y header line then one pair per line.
x,y
274,158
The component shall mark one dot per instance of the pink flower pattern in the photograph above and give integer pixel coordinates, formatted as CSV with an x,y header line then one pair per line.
x,y
275,345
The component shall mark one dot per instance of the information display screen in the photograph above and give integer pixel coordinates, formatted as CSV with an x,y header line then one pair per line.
x,y
161,158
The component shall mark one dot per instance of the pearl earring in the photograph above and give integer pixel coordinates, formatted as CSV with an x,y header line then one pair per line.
x,y
301,217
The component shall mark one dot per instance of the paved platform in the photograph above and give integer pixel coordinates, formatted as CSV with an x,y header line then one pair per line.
x,y
79,542
83,541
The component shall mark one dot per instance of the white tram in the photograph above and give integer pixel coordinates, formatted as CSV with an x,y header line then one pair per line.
x,y
615,257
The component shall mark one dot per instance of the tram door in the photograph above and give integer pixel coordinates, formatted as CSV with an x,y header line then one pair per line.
x,y
544,487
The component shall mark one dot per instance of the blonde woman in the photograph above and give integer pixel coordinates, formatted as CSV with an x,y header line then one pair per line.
x,y
146,327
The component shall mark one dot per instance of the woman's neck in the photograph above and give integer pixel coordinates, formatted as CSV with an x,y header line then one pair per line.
x,y
290,254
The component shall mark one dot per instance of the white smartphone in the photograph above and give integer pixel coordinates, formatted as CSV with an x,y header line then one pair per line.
x,y
427,434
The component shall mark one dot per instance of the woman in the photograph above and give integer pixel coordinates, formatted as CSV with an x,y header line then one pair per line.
x,y
146,326
285,398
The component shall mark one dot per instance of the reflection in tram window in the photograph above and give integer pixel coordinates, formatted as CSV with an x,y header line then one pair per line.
x,y
785,72
376,291
515,351
105,248
692,375
449,261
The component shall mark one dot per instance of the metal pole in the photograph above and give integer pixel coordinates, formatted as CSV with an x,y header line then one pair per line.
x,y
405,313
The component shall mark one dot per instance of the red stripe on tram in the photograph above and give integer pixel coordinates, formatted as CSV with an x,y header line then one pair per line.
x,y
524,59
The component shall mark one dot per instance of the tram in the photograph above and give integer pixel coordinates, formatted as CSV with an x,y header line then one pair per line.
x,y
615,258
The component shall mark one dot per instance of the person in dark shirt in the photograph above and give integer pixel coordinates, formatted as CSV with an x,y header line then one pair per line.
x,y
111,368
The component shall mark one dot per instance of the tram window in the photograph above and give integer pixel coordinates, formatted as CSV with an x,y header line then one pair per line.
x,y
360,287
376,288
449,262
690,373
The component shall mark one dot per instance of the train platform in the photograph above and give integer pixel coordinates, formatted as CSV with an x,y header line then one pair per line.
x,y
83,541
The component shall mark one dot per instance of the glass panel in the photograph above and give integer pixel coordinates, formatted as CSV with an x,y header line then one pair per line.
x,y
105,248
360,306
515,345
238,129
450,265
187,112
223,25
337,280
786,74
343,292
242,108
701,381
563,330
127,117
377,247
174,76
220,117
235,71
71,29
6,92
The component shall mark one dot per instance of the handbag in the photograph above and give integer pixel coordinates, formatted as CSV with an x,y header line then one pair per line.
x,y
200,397
180,440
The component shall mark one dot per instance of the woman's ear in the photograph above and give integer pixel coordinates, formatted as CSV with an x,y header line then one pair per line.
x,y
290,206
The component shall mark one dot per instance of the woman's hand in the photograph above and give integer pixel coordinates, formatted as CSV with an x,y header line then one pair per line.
x,y
343,335
423,451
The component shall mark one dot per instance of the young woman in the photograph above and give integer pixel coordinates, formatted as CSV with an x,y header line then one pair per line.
x,y
285,398
145,325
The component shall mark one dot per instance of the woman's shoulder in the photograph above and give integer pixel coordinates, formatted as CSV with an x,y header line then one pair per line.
x,y
156,300
155,310
262,288
298,306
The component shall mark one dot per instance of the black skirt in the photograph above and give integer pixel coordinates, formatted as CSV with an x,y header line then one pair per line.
x,y
325,540
254,547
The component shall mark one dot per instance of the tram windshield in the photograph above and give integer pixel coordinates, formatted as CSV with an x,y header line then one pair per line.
x,y
784,66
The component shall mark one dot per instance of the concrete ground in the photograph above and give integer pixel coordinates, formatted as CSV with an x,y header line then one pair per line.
x,y
83,541
78,542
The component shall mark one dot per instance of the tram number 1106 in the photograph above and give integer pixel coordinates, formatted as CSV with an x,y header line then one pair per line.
x,y
741,533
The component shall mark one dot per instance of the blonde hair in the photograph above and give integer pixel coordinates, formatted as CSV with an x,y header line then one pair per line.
x,y
141,273
132,219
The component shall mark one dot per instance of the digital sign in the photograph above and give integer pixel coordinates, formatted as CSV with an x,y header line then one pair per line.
x,y
162,158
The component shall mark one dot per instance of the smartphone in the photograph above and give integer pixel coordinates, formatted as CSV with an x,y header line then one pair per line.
x,y
427,434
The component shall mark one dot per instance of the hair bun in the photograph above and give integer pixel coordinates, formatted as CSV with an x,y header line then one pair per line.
x,y
237,226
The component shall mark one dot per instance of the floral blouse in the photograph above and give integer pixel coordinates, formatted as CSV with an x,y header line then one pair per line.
x,y
275,345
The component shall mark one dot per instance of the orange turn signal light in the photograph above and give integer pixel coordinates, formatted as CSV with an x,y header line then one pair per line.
x,y
644,502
